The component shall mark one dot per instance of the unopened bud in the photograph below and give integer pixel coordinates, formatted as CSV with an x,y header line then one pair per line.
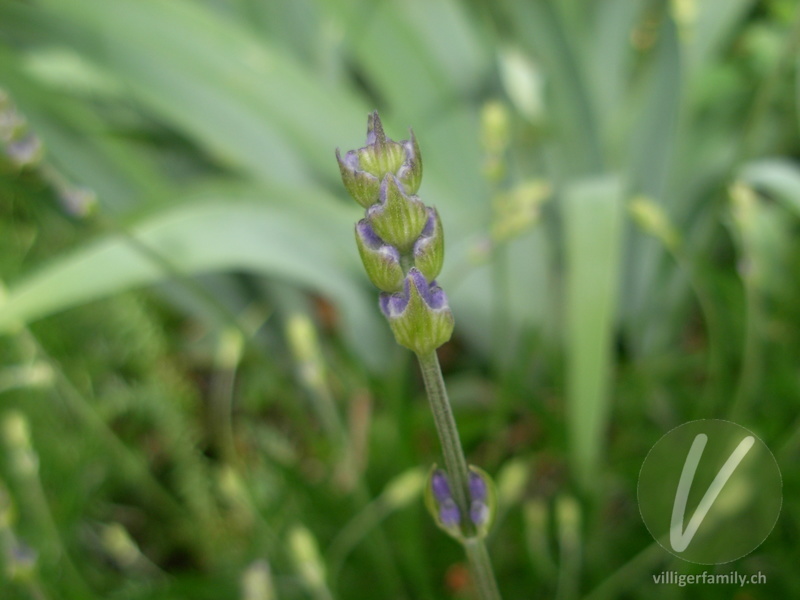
x,y
429,247
381,261
364,170
420,316
397,218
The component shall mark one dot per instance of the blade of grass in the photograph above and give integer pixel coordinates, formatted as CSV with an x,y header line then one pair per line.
x,y
247,103
593,215
649,166
539,29
209,234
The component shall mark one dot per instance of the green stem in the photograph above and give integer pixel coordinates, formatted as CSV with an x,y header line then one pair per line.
x,y
457,470
481,567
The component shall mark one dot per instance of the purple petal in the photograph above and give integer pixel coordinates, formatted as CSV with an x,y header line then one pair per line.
x,y
440,486
432,294
349,162
368,235
477,487
449,513
430,224
393,304
436,298
418,279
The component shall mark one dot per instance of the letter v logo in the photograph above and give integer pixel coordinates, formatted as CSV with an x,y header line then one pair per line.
x,y
679,538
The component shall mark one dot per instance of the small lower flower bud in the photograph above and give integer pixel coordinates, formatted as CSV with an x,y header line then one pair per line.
x,y
483,500
440,503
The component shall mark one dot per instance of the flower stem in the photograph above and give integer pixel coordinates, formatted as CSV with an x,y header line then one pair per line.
x,y
458,473
481,567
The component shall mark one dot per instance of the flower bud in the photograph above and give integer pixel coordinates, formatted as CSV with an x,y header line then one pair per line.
x,y
429,247
410,173
397,218
440,503
440,486
442,507
449,514
483,500
419,316
362,186
364,169
381,261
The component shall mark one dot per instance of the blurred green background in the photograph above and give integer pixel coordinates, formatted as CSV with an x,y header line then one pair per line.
x,y
199,398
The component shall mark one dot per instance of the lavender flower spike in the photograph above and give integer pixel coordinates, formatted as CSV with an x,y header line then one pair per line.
x,y
401,243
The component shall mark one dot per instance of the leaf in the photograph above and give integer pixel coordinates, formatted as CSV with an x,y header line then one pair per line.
x,y
710,27
650,164
778,177
217,230
593,216
544,34
421,56
247,103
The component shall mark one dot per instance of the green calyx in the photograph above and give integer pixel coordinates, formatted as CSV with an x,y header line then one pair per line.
x,y
420,317
364,170
382,158
381,261
397,218
429,248
362,186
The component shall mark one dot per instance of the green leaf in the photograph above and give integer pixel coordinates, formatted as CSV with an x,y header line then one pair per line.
x,y
593,217
247,103
778,177
543,32
293,238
